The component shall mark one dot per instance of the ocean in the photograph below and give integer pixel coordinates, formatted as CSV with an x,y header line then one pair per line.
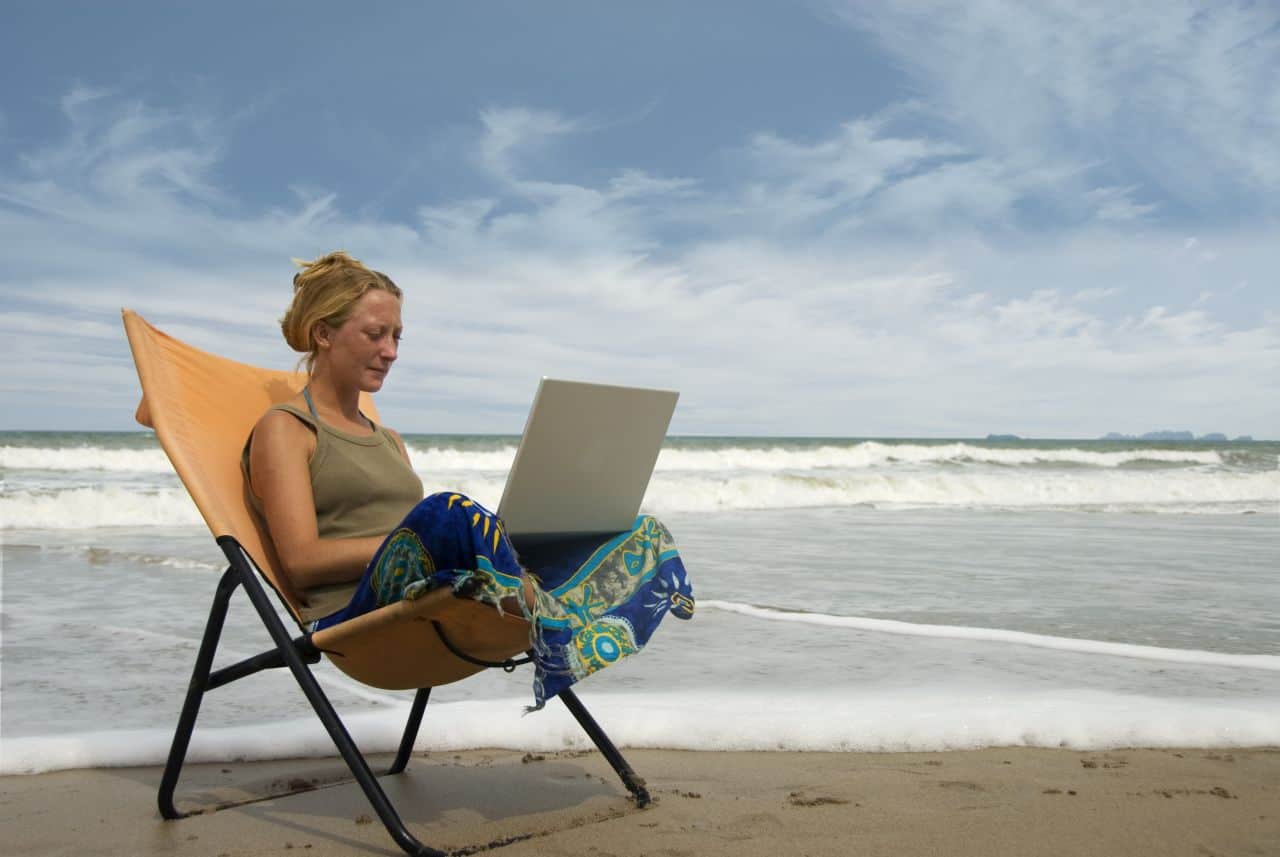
x,y
853,594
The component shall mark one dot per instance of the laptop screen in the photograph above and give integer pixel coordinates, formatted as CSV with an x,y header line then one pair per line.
x,y
585,458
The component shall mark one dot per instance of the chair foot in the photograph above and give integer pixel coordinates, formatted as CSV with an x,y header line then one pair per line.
x,y
638,791
633,782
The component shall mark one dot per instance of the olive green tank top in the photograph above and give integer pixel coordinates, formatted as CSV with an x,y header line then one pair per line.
x,y
362,486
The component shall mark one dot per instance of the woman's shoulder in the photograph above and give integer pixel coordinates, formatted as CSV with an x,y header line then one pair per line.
x,y
396,439
285,419
289,412
281,433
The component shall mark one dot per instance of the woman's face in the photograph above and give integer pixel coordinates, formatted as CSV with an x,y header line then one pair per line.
x,y
361,351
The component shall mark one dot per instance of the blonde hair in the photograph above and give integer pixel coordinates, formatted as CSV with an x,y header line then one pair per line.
x,y
326,290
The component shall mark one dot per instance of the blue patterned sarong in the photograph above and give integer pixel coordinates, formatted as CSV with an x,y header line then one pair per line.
x,y
595,603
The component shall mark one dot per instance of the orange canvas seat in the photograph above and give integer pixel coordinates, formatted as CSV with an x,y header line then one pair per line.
x,y
202,408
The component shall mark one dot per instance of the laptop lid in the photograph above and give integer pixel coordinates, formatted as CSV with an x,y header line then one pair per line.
x,y
585,458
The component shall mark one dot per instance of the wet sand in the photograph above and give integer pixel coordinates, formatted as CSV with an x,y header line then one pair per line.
x,y
1014,801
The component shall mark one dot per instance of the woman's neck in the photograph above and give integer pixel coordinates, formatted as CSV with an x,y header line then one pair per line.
x,y
335,401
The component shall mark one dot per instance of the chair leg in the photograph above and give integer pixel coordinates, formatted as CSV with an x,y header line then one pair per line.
x,y
410,730
324,709
195,693
634,783
241,573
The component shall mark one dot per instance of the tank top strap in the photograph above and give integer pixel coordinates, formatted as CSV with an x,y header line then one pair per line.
x,y
306,394
310,419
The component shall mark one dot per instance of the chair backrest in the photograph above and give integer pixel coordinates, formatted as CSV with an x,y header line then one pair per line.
x,y
202,408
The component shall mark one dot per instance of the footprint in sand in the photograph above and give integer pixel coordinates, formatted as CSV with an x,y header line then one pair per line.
x,y
961,784
797,799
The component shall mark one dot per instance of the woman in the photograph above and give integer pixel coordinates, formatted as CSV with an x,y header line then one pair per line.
x,y
353,531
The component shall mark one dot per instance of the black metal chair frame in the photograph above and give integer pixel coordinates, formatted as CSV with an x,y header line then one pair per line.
x,y
297,653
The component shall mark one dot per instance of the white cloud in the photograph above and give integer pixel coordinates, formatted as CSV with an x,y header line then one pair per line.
x,y
766,324
1191,327
1183,95
1116,204
509,130
854,163
865,176
123,151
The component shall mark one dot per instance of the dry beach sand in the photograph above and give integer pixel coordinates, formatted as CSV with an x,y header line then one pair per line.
x,y
1014,801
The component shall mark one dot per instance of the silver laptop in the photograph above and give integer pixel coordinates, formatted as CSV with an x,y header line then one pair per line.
x,y
585,459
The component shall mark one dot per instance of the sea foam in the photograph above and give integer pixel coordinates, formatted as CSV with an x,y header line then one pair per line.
x,y
107,506
1099,490
857,455
924,720
867,454
848,456
1181,492
1002,635
88,457
50,487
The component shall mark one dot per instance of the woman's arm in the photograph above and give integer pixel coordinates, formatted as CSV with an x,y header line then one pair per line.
x,y
278,462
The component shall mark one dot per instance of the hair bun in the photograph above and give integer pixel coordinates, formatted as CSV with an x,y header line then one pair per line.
x,y
322,265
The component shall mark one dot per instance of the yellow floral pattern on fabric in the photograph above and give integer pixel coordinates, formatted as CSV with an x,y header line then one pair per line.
x,y
612,574
595,601
402,567
602,643
481,519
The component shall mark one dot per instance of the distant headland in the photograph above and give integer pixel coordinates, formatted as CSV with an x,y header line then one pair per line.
x,y
1212,437
1176,435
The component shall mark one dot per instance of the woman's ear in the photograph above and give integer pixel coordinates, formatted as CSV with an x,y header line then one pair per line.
x,y
320,334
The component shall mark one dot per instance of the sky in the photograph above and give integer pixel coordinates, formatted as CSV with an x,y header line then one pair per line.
x,y
909,219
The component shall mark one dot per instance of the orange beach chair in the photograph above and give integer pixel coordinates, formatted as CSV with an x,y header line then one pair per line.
x,y
202,408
